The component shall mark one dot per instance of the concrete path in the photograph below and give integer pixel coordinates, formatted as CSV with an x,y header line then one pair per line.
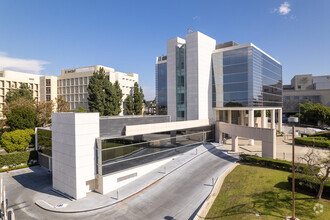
x,y
176,194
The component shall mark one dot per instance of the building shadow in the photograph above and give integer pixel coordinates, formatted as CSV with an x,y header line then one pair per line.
x,y
39,180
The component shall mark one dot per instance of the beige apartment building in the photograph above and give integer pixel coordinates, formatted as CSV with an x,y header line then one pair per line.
x,y
72,84
10,80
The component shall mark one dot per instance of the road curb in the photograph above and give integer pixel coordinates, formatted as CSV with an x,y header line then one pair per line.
x,y
45,206
201,214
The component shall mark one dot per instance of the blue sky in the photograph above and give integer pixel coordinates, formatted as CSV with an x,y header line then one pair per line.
x,y
46,36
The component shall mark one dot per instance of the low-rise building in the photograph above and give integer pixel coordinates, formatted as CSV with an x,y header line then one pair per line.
x,y
305,88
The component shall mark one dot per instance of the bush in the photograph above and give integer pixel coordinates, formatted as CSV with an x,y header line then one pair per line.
x,y
13,159
17,140
321,142
310,184
275,163
325,134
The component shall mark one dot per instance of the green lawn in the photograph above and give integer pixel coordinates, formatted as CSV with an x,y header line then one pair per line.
x,y
248,190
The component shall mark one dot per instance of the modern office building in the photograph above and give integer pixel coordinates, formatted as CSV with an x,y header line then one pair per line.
x,y
205,78
161,85
305,88
72,84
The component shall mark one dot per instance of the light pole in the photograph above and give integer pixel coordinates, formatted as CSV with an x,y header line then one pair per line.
x,y
293,120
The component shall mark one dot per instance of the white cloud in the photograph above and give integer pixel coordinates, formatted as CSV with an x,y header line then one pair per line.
x,y
196,18
23,65
284,9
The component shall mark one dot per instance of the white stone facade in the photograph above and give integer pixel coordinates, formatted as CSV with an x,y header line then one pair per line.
x,y
73,152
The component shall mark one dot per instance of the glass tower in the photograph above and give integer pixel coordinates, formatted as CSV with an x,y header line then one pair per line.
x,y
161,85
245,77
181,103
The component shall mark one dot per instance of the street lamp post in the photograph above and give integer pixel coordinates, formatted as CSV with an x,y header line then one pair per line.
x,y
293,120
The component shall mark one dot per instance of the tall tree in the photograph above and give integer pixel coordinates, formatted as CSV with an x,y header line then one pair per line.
x,y
44,110
118,100
109,100
23,91
97,92
103,96
129,105
137,99
21,117
62,105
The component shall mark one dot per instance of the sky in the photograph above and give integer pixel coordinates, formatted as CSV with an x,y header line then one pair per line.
x,y
44,36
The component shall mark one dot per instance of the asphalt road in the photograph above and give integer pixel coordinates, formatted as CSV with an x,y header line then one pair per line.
x,y
177,196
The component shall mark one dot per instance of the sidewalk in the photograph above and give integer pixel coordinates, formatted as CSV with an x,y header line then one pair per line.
x,y
95,201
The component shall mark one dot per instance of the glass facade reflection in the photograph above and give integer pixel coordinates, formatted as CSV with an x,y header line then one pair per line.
x,y
127,152
45,141
161,88
181,103
249,78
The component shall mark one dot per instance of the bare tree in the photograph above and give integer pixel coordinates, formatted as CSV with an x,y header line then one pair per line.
x,y
315,160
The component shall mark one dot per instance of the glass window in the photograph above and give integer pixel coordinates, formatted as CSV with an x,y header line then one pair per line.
x,y
47,82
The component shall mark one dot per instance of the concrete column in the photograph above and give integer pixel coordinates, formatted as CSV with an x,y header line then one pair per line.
x,y
36,138
229,116
220,137
280,119
272,118
223,115
234,145
251,124
263,119
242,117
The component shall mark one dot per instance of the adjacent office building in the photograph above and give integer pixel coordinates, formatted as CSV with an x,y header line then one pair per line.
x,y
305,88
205,78
72,84
10,80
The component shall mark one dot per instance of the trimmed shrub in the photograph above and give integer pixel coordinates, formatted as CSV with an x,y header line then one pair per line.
x,y
325,134
275,163
310,184
13,159
321,142
17,140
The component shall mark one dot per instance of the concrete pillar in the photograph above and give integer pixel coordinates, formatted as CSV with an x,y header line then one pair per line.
x,y
173,135
242,117
280,119
234,145
272,118
263,119
220,137
223,115
229,116
251,123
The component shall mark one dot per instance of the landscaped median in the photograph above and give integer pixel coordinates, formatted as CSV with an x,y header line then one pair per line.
x,y
261,188
320,139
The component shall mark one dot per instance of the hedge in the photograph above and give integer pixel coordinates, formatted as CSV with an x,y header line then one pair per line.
x,y
310,184
275,163
321,142
17,158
